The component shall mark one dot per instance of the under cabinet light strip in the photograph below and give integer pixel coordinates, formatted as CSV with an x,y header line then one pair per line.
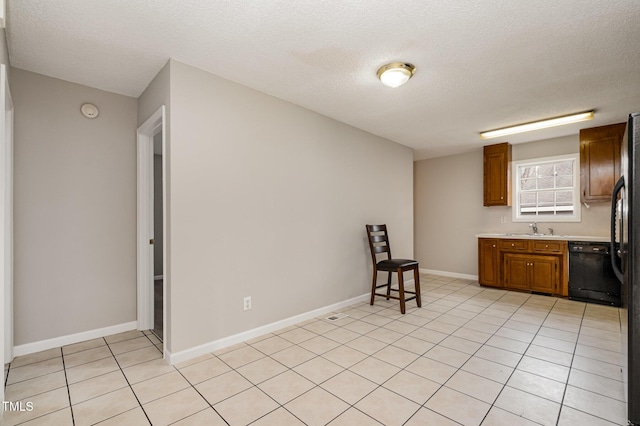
x,y
537,125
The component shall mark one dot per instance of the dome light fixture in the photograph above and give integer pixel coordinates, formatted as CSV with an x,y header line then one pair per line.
x,y
396,74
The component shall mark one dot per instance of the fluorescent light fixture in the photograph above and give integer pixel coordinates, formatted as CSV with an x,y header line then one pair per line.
x,y
396,74
537,125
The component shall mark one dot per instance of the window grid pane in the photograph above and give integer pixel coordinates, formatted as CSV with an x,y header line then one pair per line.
x,y
546,189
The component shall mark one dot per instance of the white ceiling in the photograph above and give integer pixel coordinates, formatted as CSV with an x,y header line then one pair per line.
x,y
481,64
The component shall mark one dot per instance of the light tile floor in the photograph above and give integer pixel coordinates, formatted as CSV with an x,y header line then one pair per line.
x,y
470,356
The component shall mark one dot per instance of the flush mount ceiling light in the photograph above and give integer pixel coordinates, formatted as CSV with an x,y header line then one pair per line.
x,y
396,74
537,125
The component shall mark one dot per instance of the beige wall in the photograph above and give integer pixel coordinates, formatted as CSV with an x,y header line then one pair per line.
x,y
4,51
449,211
75,208
269,200
155,95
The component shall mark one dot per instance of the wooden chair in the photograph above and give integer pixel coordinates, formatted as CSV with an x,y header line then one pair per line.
x,y
379,244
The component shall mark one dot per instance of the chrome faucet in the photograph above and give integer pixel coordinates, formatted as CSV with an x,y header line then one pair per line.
x,y
534,226
550,230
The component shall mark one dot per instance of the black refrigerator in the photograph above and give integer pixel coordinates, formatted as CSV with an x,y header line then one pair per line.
x,y
625,243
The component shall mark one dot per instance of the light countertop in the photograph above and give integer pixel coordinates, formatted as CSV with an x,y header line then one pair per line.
x,y
559,237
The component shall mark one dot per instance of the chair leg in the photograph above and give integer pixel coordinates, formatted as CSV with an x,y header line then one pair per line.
x,y
416,278
389,285
373,286
401,291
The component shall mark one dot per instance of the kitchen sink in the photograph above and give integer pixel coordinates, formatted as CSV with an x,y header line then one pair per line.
x,y
515,234
531,235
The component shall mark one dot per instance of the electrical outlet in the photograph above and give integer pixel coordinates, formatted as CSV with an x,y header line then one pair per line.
x,y
503,219
247,303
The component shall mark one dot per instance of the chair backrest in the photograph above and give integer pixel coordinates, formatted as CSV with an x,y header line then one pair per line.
x,y
378,241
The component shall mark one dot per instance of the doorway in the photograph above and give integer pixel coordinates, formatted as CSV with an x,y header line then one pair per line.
x,y
158,238
151,244
6,221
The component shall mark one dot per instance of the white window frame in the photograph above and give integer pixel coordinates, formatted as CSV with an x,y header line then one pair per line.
x,y
577,207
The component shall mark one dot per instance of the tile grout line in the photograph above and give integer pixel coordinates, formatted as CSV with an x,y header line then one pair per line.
x,y
423,405
424,353
315,385
586,390
367,356
573,355
66,381
250,345
549,311
128,384
202,396
460,368
518,363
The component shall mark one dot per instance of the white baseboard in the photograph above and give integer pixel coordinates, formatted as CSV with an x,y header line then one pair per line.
x,y
448,274
56,342
225,342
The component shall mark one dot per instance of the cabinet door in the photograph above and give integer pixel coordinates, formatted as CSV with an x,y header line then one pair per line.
x,y
488,262
600,161
497,185
544,273
516,271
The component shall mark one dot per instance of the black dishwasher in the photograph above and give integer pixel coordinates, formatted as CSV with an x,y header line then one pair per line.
x,y
591,277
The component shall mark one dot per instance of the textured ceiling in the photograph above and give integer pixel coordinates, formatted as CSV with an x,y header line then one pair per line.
x,y
481,64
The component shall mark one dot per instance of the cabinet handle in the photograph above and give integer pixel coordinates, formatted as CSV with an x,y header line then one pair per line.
x,y
502,198
494,246
547,246
513,245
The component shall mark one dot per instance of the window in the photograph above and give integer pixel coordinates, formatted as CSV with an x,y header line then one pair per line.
x,y
547,189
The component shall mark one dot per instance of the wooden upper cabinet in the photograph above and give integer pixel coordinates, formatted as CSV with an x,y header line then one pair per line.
x,y
497,174
600,161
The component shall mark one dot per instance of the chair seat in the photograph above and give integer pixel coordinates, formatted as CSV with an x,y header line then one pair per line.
x,y
393,264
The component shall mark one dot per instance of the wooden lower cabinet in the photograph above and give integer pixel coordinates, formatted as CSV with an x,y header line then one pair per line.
x,y
488,270
529,265
532,272
516,271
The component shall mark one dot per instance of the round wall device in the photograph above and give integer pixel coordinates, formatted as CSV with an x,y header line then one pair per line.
x,y
89,110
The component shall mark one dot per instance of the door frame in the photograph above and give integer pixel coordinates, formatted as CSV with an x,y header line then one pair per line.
x,y
145,277
6,218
